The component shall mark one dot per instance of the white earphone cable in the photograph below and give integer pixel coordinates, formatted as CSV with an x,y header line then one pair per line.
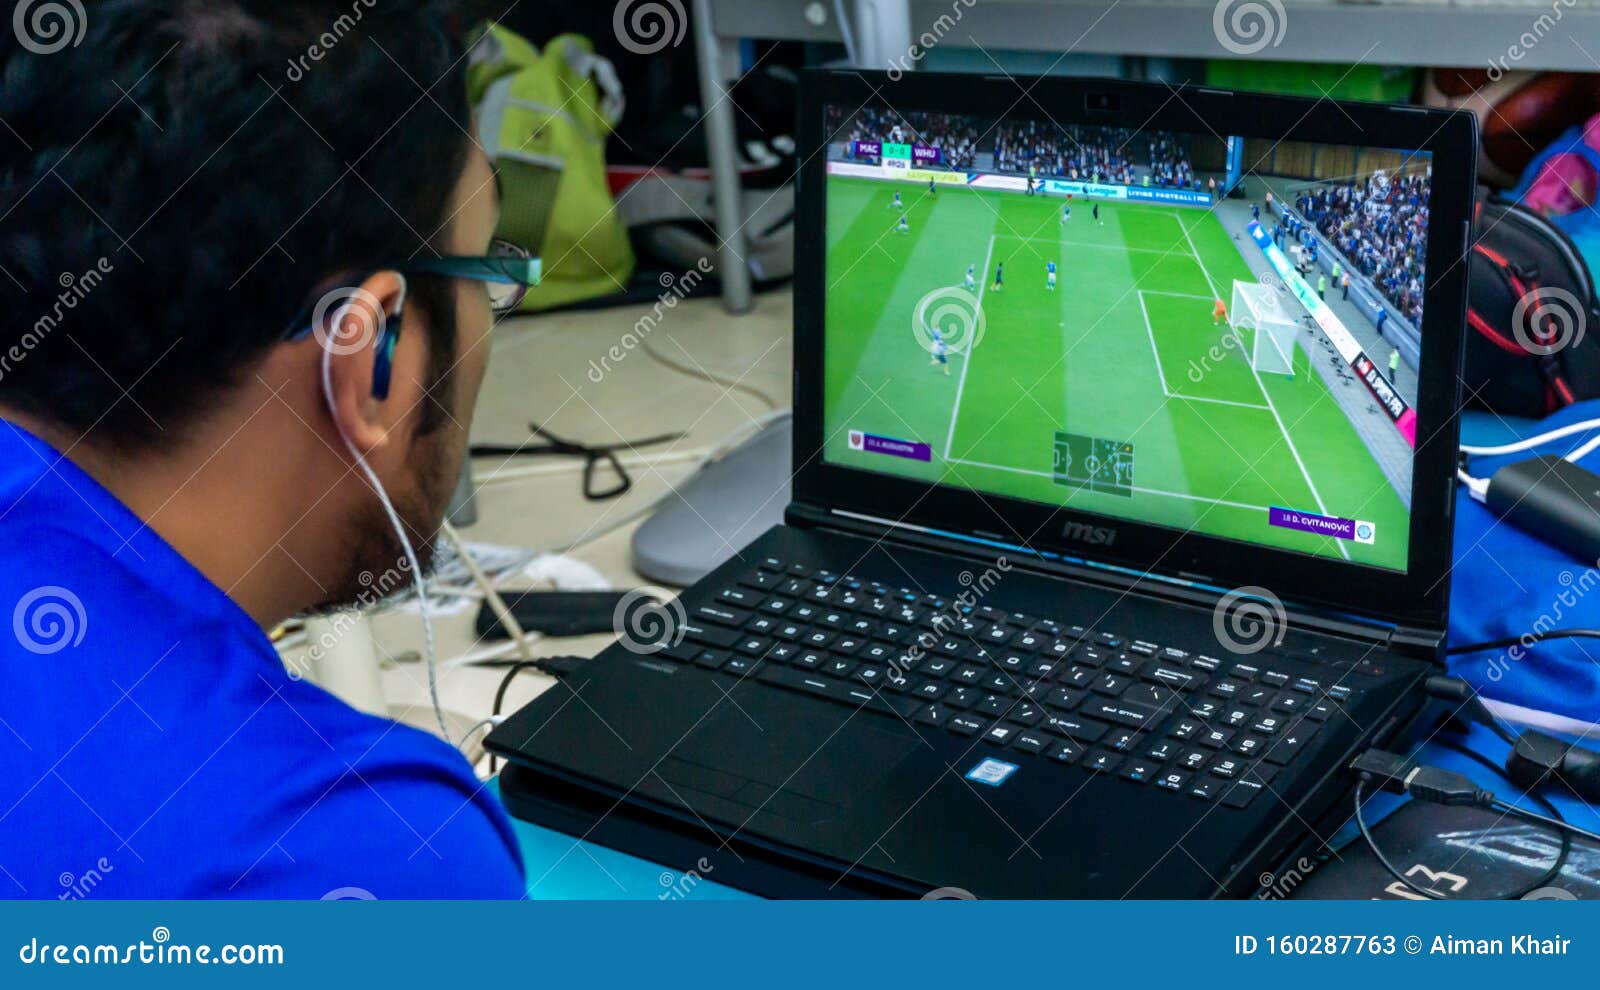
x,y
394,518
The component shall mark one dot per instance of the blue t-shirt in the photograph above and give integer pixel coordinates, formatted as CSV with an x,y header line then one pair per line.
x,y
152,745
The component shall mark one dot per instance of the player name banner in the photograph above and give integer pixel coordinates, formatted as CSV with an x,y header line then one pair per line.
x,y
1311,522
873,444
1405,418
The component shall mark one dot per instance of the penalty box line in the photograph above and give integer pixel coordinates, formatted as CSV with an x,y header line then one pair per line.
x,y
1150,332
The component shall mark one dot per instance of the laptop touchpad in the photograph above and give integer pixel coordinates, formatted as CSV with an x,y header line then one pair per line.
x,y
777,749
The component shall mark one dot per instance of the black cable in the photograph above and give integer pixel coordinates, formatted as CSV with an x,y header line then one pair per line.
x,y
1449,787
1372,843
500,695
555,446
554,666
1471,708
1526,639
1557,822
1566,828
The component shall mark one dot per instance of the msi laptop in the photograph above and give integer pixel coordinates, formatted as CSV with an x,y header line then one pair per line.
x,y
1125,430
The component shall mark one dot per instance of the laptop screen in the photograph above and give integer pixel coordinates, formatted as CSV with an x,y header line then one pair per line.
x,y
1209,333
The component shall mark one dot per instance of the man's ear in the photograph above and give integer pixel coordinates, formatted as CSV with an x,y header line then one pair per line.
x,y
350,327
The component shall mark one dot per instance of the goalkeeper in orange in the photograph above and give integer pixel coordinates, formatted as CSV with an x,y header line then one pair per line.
x,y
1219,312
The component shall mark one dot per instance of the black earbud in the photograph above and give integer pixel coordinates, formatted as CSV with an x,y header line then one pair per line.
x,y
383,359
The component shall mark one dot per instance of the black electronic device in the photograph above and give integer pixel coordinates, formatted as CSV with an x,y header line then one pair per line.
x,y
1009,640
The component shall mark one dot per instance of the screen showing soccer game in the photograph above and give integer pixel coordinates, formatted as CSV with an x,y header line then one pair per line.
x,y
1213,334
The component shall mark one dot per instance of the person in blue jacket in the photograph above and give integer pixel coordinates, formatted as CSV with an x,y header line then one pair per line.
x,y
235,281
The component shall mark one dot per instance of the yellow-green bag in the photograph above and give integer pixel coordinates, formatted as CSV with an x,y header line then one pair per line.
x,y
543,117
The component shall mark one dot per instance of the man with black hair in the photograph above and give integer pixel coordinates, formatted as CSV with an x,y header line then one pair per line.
x,y
230,273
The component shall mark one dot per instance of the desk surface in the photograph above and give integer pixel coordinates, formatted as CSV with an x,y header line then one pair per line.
x,y
565,373
584,377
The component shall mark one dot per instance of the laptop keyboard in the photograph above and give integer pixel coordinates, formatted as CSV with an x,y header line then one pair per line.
x,y
1110,702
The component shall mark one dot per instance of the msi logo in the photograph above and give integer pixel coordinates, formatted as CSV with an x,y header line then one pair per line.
x,y
1095,536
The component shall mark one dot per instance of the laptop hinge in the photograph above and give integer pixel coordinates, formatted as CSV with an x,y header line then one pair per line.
x,y
1421,643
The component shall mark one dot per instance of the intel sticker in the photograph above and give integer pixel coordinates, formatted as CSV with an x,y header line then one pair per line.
x,y
992,772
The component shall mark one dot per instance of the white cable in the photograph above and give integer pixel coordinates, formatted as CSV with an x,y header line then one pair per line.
x,y
1533,441
491,721
497,605
845,32
1478,488
1580,453
389,510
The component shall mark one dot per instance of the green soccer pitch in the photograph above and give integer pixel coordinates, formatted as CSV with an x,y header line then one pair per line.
x,y
1123,349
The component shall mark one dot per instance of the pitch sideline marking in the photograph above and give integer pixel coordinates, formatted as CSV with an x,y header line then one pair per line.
x,y
1321,506
966,359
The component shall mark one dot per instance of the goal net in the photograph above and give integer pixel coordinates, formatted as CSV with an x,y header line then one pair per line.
x,y
1265,309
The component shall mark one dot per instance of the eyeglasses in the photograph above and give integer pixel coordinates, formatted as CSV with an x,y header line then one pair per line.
x,y
507,271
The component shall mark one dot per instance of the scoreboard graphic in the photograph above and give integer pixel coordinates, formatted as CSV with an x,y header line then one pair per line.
x,y
893,154
1092,463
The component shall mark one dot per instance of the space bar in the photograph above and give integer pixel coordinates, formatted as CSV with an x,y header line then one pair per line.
x,y
848,694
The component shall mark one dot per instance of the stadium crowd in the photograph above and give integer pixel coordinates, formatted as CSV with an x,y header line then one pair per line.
x,y
1078,153
1379,225
1091,154
955,135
